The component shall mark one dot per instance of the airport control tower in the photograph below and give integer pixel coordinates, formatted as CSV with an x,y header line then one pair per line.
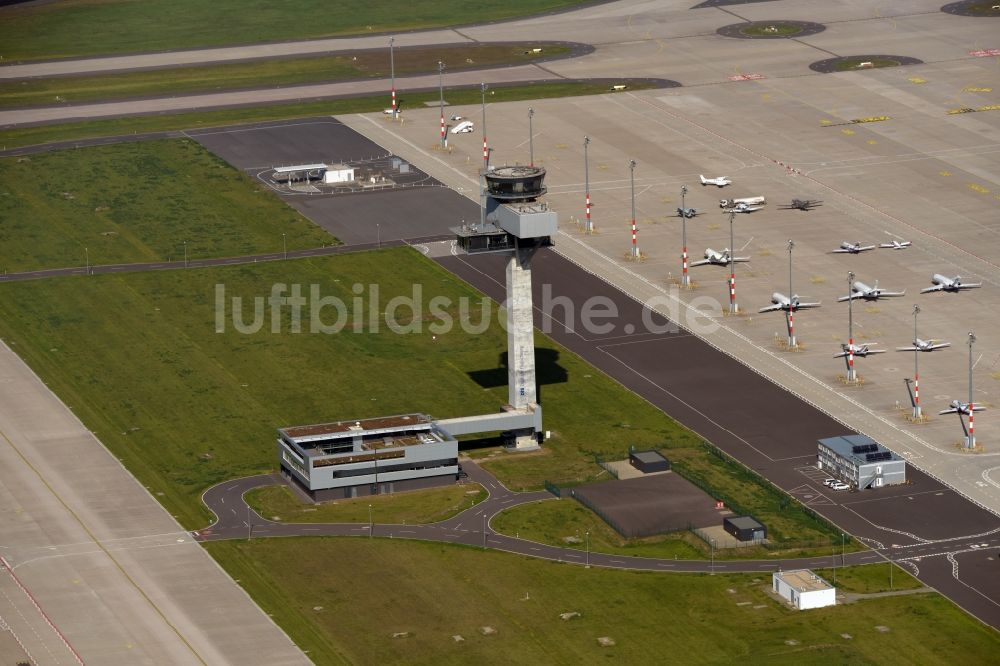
x,y
515,221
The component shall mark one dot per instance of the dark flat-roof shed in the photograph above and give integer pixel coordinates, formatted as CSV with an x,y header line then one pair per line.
x,y
745,528
648,461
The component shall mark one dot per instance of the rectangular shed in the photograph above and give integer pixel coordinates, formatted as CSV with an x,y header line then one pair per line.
x,y
648,461
745,528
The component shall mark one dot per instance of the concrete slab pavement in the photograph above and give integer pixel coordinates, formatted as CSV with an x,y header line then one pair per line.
x,y
94,569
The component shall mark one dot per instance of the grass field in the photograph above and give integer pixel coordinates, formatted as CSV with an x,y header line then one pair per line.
x,y
555,521
41,134
264,73
416,507
94,27
138,358
135,202
870,579
433,592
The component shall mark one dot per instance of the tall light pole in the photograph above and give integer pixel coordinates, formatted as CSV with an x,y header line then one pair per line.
x,y
713,558
792,344
371,525
970,441
916,367
444,135
484,530
586,183
86,255
733,307
851,376
284,246
486,154
531,138
392,75
635,242
685,278
588,549
185,254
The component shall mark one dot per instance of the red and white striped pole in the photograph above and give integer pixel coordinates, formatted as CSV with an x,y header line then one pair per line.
x,y
972,427
586,182
916,394
684,265
486,154
392,75
635,242
732,292
444,138
791,327
850,359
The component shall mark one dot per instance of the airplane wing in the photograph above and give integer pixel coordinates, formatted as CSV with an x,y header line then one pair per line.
x,y
974,285
937,287
939,345
840,250
907,349
806,306
856,294
876,351
841,354
892,294
738,260
865,248
749,209
701,262
951,410
770,308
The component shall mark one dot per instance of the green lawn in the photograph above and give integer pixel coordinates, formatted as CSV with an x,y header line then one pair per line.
x,y
134,202
434,592
870,578
260,73
71,131
416,507
93,27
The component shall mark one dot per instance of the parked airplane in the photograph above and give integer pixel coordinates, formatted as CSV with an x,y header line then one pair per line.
x,y
853,248
686,212
742,208
782,302
802,204
749,201
925,345
721,181
718,258
861,290
858,350
942,283
959,407
463,127
896,245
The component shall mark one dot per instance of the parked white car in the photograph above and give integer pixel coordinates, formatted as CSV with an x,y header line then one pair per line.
x,y
840,486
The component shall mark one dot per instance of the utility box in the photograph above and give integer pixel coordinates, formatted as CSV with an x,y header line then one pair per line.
x,y
648,461
745,528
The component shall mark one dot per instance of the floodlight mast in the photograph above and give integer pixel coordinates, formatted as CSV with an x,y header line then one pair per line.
x,y
971,439
586,183
635,242
531,138
792,344
392,76
916,368
733,307
486,153
851,376
685,278
444,134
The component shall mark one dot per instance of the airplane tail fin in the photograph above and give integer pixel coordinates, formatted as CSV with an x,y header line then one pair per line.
x,y
703,181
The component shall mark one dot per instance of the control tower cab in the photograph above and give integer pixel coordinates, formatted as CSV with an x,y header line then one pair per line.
x,y
513,216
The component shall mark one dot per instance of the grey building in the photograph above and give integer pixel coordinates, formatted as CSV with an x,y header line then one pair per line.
x,y
648,461
745,528
861,462
368,457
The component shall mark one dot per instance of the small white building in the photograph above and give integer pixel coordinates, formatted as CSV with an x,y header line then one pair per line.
x,y
803,589
338,173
